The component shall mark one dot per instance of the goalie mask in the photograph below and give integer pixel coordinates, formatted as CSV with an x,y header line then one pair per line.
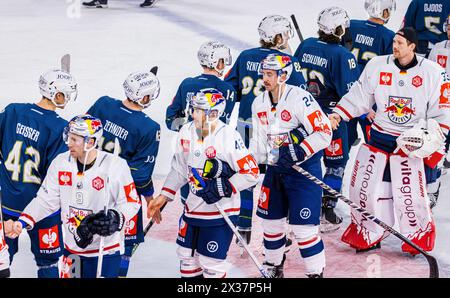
x,y
375,8
332,18
84,126
210,54
140,84
56,81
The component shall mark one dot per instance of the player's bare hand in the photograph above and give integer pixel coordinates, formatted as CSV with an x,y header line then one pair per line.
x,y
154,206
371,115
335,119
8,226
14,230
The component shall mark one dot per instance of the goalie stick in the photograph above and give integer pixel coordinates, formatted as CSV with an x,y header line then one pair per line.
x,y
434,269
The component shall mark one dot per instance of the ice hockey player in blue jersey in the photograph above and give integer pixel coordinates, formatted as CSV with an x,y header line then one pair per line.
x,y
213,56
331,70
138,137
274,32
370,38
30,138
427,17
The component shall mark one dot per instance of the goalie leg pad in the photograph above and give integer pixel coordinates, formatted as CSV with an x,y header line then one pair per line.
x,y
368,191
311,247
411,202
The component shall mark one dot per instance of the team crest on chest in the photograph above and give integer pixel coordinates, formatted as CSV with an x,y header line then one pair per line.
x,y
210,152
98,183
286,116
400,109
417,81
442,60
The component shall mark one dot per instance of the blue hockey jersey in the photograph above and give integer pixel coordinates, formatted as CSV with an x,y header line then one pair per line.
x,y
31,137
428,17
138,137
244,77
177,114
370,40
330,68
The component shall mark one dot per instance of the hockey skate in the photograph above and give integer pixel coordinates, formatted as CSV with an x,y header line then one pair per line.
x,y
147,3
376,246
96,4
434,197
246,234
315,275
275,271
329,220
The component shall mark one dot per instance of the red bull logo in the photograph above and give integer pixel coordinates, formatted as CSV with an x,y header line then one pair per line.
x,y
400,109
213,98
283,60
93,125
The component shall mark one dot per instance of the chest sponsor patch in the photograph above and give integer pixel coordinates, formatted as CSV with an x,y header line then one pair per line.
x,y
417,81
65,178
98,183
386,78
444,98
400,109
286,116
263,118
442,60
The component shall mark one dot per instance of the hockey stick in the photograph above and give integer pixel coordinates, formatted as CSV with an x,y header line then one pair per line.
x,y
434,269
105,209
297,28
233,228
65,63
147,228
154,70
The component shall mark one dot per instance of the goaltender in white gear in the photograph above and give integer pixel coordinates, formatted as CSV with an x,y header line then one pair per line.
x,y
411,95
80,192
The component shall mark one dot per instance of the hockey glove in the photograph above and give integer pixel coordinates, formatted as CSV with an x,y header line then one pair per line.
x,y
83,235
215,189
290,155
215,168
106,224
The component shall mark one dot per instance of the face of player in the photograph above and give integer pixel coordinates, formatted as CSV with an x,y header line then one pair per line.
x,y
200,119
270,79
76,145
448,32
401,48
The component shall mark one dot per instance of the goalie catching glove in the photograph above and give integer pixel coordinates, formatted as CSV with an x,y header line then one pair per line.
x,y
293,152
421,141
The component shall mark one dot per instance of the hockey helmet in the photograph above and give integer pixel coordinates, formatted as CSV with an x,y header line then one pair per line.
x,y
56,81
139,84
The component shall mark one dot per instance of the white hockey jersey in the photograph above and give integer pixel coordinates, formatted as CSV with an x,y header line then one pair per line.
x,y
80,195
224,144
441,54
401,97
296,108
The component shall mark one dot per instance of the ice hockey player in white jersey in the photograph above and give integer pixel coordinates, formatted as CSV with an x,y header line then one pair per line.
x,y
80,182
392,172
440,53
4,255
208,147
289,127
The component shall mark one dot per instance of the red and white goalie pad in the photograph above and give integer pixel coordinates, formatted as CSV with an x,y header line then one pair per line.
x,y
366,191
411,202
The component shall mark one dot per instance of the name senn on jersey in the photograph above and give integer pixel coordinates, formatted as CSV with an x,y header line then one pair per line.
x,y
27,132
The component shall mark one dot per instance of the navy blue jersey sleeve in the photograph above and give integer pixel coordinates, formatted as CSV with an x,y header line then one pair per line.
x,y
175,112
143,162
345,73
232,78
229,93
410,16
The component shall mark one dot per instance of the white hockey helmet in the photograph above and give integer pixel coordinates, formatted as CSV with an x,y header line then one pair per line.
x,y
85,126
375,8
331,18
139,84
278,62
56,81
272,25
210,54
209,99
